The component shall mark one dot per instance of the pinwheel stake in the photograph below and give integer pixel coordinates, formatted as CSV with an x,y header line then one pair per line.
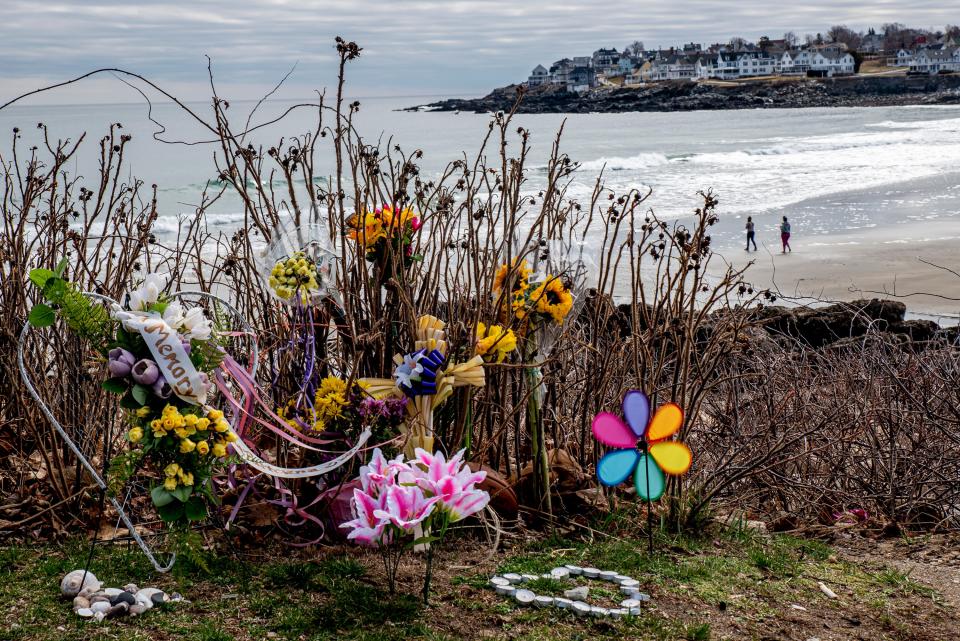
x,y
643,448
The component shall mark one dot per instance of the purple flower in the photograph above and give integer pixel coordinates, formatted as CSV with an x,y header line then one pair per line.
x,y
120,362
186,346
161,388
145,372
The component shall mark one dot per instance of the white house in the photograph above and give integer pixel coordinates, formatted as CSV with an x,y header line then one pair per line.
x,y
934,61
539,76
902,59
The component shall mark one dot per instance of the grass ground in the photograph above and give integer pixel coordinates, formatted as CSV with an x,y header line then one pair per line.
x,y
733,585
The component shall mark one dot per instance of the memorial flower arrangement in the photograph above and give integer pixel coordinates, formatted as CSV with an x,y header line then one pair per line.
x,y
294,278
387,228
343,407
534,303
157,354
398,499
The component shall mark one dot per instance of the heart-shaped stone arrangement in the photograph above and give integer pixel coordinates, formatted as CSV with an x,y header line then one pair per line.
x,y
92,601
510,585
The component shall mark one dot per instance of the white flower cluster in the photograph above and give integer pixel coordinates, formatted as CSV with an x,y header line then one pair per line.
x,y
190,324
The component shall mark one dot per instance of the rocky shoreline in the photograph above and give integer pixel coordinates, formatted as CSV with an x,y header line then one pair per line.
x,y
856,91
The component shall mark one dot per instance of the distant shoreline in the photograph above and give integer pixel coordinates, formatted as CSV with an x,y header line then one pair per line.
x,y
853,91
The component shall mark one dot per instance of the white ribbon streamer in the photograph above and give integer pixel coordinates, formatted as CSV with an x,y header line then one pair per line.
x,y
246,455
168,352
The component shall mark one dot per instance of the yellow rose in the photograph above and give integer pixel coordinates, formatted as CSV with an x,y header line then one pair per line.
x,y
143,411
220,450
214,415
168,422
203,448
182,433
171,470
170,483
221,426
135,434
230,437
203,424
187,478
155,424
187,446
190,420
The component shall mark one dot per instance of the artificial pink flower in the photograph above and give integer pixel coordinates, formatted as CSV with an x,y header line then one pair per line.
x,y
380,473
406,506
452,483
367,528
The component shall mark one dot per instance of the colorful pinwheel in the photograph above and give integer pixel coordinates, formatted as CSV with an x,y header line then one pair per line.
x,y
642,446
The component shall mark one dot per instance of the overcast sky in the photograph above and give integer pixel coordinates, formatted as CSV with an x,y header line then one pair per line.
x,y
411,47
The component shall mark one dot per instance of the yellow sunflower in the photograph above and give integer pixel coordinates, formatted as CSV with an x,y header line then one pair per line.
x,y
520,272
493,342
553,299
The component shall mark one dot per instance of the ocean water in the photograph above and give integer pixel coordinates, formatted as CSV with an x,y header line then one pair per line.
x,y
836,171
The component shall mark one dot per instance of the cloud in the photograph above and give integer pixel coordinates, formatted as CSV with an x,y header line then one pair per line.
x,y
411,46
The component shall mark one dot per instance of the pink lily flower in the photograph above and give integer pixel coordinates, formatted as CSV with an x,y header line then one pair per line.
x,y
452,483
406,506
380,473
367,529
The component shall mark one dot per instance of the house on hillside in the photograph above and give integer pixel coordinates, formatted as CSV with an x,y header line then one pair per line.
x,y
539,76
625,64
823,63
934,61
903,58
872,43
560,72
604,59
581,79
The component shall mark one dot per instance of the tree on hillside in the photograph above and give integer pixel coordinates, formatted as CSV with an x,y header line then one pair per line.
x,y
634,49
791,39
952,31
737,43
846,35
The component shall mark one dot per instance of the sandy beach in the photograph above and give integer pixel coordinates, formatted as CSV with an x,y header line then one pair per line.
x,y
878,263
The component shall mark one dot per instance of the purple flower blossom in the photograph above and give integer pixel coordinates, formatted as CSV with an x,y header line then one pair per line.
x,y
120,362
145,372
161,388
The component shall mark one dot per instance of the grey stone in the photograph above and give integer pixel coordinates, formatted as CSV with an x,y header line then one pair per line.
x,y
73,582
139,608
85,613
578,593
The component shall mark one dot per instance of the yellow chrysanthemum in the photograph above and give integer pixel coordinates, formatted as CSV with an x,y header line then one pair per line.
x,y
553,299
171,470
135,434
493,342
170,483
330,385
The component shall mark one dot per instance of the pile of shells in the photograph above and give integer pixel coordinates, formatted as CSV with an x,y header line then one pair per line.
x,y
91,600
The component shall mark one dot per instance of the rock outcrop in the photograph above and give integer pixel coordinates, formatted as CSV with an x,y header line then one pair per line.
x,y
851,91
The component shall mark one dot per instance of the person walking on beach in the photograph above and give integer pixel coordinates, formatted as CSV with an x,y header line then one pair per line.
x,y
785,235
751,236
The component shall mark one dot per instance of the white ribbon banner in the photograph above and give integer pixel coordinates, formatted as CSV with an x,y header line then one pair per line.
x,y
173,361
